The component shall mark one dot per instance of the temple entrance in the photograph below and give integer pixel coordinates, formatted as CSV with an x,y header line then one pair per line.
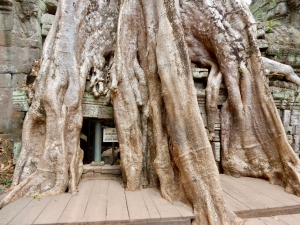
x,y
98,143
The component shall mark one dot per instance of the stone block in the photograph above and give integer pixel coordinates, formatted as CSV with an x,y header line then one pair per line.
x,y
88,98
47,19
296,143
294,120
89,174
87,168
111,169
28,43
94,164
18,80
294,19
290,139
296,112
217,126
200,72
286,117
105,112
5,109
281,9
97,169
16,151
16,60
5,80
260,33
217,136
297,129
285,85
262,43
278,95
5,38
216,147
20,100
289,130
7,21
45,29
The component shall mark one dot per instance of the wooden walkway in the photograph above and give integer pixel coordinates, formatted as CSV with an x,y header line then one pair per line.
x,y
250,198
106,202
293,219
98,202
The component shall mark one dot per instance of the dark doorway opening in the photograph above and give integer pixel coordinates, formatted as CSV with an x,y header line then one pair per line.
x,y
89,137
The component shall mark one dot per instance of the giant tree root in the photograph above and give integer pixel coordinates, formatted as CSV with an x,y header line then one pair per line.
x,y
253,138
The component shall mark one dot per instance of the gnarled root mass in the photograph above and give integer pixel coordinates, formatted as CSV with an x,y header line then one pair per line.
x,y
51,158
183,159
253,138
144,49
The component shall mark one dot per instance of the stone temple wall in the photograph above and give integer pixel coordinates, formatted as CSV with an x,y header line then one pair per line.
x,y
284,11
20,45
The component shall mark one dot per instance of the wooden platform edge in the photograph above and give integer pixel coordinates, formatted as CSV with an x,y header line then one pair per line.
x,y
148,222
268,212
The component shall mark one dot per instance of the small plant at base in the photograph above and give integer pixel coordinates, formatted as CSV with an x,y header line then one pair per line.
x,y
5,180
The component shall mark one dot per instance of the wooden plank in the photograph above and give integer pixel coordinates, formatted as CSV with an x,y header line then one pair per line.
x,y
261,197
233,203
3,195
165,208
12,209
152,210
241,196
186,211
253,196
96,207
293,219
31,211
54,209
136,206
116,206
273,191
255,221
276,190
272,221
77,204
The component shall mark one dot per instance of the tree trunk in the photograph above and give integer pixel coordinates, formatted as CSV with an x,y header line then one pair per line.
x,y
144,48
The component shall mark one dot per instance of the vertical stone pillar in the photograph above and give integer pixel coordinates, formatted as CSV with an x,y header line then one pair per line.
x,y
98,142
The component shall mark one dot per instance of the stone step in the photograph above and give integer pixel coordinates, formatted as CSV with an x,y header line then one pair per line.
x,y
100,172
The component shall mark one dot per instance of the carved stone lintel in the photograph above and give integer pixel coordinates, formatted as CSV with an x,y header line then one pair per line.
x,y
6,5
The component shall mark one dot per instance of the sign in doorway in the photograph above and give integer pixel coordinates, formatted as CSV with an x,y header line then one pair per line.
x,y
110,135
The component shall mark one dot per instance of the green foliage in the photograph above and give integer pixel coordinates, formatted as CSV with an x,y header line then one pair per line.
x,y
271,24
36,196
5,180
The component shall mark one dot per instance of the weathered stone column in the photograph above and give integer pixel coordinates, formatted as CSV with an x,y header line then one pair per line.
x,y
98,142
